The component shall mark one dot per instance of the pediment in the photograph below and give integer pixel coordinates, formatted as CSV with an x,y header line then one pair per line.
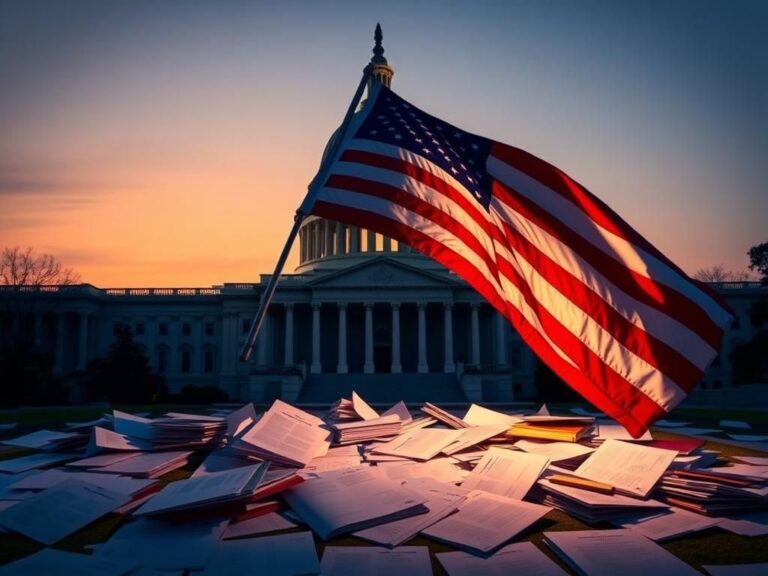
x,y
382,272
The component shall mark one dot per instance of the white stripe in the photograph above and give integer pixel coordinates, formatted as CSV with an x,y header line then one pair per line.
x,y
646,378
510,294
647,318
614,246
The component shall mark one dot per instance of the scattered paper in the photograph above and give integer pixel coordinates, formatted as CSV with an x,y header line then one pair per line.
x,y
271,522
521,558
406,560
506,473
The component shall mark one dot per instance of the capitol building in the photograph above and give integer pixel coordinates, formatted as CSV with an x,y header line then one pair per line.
x,y
359,312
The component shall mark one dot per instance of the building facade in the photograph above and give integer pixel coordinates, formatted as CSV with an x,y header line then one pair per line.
x,y
360,312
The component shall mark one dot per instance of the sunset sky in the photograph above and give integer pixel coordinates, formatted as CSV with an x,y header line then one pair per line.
x,y
169,143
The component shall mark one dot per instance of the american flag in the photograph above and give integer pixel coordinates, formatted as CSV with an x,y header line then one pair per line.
x,y
611,315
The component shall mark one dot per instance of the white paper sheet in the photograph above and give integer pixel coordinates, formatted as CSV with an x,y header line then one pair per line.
x,y
752,524
362,408
555,451
420,444
49,478
473,436
271,522
629,468
752,460
59,511
218,487
735,424
33,461
610,429
486,521
523,558
281,555
164,545
369,561
613,552
345,501
441,500
479,416
39,439
506,473
667,525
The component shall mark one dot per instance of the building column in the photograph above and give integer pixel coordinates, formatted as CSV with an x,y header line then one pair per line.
x,y
316,367
448,322
368,367
39,331
288,335
475,358
340,240
227,345
262,340
342,368
82,349
371,241
198,366
59,357
501,345
422,367
354,239
328,238
396,366
387,244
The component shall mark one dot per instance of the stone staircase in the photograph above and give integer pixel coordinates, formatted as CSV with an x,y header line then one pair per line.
x,y
382,388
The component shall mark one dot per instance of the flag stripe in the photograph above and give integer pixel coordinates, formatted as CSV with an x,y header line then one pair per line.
x,y
650,320
638,286
618,249
600,305
635,370
612,394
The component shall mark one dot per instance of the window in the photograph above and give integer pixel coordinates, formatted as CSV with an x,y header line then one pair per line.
x,y
163,329
186,361
139,328
186,329
208,360
209,329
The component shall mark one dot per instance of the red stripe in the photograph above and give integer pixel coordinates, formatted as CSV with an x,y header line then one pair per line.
x,y
645,345
639,287
613,395
416,205
594,208
427,178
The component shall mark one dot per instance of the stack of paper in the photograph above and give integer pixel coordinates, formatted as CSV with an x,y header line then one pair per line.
x,y
486,521
48,441
568,429
471,437
119,484
479,416
33,461
216,489
568,455
630,468
612,552
660,526
366,430
714,492
590,506
341,502
102,439
443,416
174,430
352,409
286,435
151,465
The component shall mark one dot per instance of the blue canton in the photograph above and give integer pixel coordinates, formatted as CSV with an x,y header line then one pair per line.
x,y
394,121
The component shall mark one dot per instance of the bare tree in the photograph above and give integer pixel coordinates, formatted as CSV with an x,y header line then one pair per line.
x,y
23,267
716,273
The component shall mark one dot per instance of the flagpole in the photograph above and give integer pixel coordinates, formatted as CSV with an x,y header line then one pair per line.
x,y
301,213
